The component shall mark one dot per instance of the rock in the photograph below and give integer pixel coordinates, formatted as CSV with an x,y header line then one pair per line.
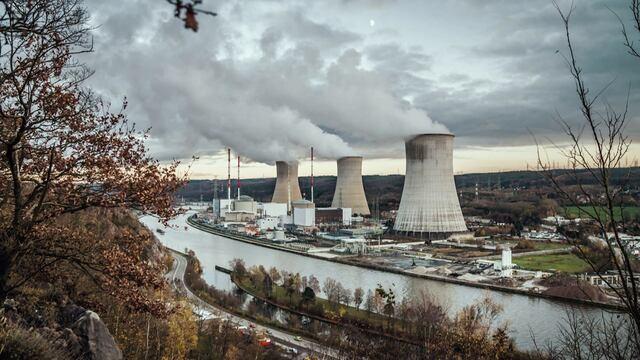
x,y
97,342
10,312
70,314
72,343
10,305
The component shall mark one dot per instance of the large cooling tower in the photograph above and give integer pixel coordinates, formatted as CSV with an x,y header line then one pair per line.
x,y
349,190
286,182
429,203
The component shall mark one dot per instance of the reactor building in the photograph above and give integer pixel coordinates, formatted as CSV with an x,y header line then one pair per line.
x,y
429,206
287,187
349,191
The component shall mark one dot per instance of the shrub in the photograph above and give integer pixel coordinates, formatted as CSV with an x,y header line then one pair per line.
x,y
19,343
525,245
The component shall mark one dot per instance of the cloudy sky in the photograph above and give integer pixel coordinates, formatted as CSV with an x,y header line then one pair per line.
x,y
272,78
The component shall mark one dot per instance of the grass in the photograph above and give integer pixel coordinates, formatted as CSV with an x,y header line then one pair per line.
x,y
630,212
549,245
539,245
569,263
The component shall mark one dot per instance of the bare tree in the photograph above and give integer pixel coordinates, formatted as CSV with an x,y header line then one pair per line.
x,y
358,297
628,42
595,152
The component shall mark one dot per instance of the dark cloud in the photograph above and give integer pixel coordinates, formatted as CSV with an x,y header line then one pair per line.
x,y
269,89
274,78
535,87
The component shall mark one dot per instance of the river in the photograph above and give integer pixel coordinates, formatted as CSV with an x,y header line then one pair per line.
x,y
524,314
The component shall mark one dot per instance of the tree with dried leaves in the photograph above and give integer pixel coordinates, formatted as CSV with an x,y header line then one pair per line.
x,y
358,297
62,151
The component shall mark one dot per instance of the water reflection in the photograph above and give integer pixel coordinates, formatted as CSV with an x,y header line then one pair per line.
x,y
524,314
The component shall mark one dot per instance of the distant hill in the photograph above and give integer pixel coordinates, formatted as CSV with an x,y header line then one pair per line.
x,y
386,188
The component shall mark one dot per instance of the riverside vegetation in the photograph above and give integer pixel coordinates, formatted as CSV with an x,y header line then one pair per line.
x,y
373,326
34,326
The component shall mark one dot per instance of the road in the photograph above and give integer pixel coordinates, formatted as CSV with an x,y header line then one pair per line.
x,y
176,277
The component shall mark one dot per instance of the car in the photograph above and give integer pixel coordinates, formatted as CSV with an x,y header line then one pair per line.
x,y
297,338
268,331
252,325
291,350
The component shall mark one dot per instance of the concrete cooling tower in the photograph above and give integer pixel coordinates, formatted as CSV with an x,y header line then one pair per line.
x,y
429,204
349,189
287,187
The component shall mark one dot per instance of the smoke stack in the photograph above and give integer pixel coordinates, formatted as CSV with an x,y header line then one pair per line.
x,y
429,203
312,174
238,178
228,174
287,186
349,191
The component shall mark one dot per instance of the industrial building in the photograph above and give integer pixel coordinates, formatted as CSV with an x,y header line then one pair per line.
x,y
268,223
333,216
287,187
304,213
349,191
246,204
239,216
429,207
221,206
271,209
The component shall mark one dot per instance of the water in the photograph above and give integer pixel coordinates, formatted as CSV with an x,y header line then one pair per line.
x,y
524,314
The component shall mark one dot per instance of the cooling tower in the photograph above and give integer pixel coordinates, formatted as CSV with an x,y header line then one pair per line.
x,y
429,204
349,190
286,183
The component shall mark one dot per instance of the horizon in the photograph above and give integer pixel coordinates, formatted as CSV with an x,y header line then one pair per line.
x,y
315,175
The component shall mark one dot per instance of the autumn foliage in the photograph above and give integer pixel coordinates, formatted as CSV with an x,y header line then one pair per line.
x,y
63,151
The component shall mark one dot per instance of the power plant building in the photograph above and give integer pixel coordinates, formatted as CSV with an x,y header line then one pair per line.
x,y
429,206
287,187
333,216
304,213
349,191
245,204
272,209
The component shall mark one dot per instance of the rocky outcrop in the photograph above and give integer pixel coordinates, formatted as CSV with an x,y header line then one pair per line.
x,y
95,338
79,332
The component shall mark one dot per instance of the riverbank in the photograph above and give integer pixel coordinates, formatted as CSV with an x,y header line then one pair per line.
x,y
206,301
373,321
346,261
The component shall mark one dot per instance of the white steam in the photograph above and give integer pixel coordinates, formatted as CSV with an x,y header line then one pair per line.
x,y
269,87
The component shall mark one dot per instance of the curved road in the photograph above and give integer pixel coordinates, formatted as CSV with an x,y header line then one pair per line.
x,y
176,277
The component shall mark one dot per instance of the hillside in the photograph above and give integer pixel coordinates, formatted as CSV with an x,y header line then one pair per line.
x,y
388,188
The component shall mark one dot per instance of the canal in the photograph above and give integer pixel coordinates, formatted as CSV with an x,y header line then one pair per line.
x,y
525,315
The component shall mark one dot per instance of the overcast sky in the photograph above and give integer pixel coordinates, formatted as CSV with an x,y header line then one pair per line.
x,y
355,77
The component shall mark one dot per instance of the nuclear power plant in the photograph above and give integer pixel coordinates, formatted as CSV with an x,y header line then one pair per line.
x,y
349,191
429,206
346,232
287,187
